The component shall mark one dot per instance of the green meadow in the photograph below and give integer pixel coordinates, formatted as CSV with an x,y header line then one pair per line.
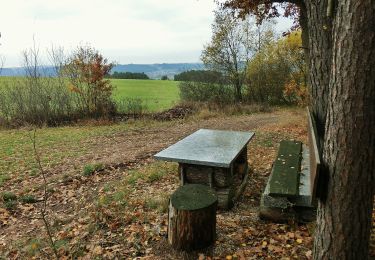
x,y
156,95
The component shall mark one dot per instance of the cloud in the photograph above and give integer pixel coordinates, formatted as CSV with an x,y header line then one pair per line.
x,y
125,30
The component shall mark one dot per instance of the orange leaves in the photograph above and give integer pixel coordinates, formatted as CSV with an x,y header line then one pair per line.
x,y
295,92
86,70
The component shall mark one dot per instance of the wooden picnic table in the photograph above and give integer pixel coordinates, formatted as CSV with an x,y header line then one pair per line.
x,y
215,158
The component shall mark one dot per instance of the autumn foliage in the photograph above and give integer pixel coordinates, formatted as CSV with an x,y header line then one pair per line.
x,y
277,73
86,70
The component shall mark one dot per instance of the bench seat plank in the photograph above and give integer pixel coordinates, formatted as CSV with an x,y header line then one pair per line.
x,y
284,179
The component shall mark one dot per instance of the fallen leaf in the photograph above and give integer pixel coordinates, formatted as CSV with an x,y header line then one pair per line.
x,y
97,250
275,249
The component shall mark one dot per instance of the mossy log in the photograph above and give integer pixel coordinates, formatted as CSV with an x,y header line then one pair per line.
x,y
192,217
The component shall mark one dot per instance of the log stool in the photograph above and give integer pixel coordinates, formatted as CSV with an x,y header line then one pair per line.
x,y
192,217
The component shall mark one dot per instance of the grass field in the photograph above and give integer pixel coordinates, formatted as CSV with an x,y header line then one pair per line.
x,y
58,144
156,94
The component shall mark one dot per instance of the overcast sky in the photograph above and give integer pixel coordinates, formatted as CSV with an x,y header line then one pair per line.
x,y
125,31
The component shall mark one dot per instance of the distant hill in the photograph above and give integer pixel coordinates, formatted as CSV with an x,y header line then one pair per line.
x,y
154,71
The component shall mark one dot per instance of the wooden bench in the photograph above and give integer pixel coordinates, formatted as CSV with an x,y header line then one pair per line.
x,y
292,186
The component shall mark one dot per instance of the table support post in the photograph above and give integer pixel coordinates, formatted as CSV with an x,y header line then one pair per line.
x,y
246,162
211,177
231,169
182,174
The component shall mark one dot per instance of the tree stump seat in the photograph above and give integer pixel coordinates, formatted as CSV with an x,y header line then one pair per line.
x,y
192,217
290,192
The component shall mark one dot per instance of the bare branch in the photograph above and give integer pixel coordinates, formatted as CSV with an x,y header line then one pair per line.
x,y
43,209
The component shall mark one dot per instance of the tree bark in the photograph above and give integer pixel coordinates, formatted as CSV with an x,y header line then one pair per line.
x,y
192,217
317,28
344,217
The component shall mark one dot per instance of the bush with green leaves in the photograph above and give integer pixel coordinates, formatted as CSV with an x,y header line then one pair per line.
x,y
131,106
206,92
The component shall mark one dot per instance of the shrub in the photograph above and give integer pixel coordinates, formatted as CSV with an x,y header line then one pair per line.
x,y
295,93
206,92
75,89
85,70
207,76
28,199
131,106
37,101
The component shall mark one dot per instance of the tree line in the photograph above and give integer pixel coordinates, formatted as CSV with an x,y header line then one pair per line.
x,y
128,75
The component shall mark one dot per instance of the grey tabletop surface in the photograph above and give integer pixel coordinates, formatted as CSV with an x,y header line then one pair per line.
x,y
207,147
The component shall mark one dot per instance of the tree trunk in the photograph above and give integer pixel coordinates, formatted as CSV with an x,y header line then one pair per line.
x,y
344,215
238,94
317,32
192,217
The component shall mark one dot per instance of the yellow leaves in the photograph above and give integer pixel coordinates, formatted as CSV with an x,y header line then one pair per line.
x,y
229,257
295,91
299,240
294,40
74,89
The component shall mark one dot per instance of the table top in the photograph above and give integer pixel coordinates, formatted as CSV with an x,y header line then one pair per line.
x,y
207,147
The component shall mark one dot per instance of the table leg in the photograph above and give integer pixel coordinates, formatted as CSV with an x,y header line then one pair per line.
x,y
211,178
231,170
182,174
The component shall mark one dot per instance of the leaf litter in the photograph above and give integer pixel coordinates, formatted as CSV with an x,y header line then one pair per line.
x,y
121,210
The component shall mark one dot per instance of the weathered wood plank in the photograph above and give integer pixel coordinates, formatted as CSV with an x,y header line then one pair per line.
x,y
314,154
285,172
